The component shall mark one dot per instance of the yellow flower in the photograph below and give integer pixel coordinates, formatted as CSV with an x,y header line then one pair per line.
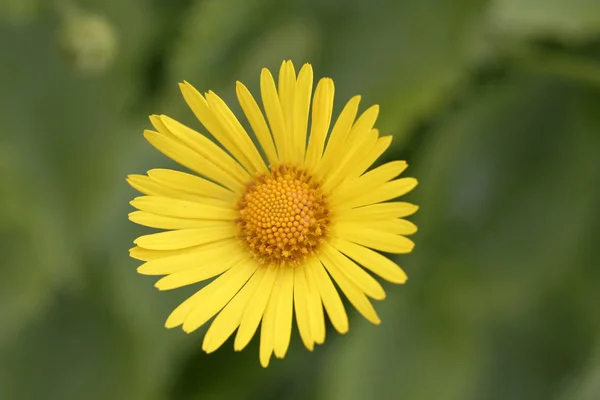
x,y
273,226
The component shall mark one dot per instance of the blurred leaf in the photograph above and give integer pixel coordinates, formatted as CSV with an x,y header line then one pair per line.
x,y
213,38
585,386
402,358
496,241
389,59
37,252
570,20
77,350
18,12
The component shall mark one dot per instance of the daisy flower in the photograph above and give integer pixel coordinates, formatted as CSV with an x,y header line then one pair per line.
x,y
279,220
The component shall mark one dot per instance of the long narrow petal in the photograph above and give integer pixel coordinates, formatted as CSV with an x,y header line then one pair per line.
x,y
302,95
321,119
139,253
338,137
205,270
274,112
286,89
221,296
257,122
267,330
396,225
352,292
361,279
352,151
183,209
206,148
171,240
165,222
315,307
192,160
385,192
283,319
190,183
148,186
397,209
301,307
256,308
360,136
378,240
201,257
378,264
331,298
200,107
370,157
230,317
236,130
180,313
368,182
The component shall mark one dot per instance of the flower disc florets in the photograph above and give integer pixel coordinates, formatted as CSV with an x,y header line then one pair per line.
x,y
284,216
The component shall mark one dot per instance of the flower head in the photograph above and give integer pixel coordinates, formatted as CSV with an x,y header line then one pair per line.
x,y
274,227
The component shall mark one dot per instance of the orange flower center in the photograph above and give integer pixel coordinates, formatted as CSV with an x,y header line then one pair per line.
x,y
283,216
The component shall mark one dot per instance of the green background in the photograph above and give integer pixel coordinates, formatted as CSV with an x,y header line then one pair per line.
x,y
495,105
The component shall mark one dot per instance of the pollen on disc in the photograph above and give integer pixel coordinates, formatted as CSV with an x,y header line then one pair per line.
x,y
283,216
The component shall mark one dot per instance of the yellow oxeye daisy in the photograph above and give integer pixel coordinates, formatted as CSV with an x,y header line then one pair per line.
x,y
273,226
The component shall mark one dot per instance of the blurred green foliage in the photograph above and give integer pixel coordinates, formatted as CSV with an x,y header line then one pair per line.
x,y
495,103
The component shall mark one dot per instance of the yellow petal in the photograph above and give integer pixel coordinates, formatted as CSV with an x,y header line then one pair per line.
x,y
395,209
165,222
203,271
361,279
256,308
286,89
378,264
352,292
230,317
385,192
274,112
374,179
267,330
206,148
321,119
237,132
338,137
190,183
160,127
331,298
147,186
203,296
188,158
204,256
361,165
220,297
213,123
140,253
352,150
183,209
398,226
302,95
257,122
283,319
181,239
301,308
378,240
315,307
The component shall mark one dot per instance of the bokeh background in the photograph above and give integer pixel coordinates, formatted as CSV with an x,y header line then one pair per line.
x,y
494,103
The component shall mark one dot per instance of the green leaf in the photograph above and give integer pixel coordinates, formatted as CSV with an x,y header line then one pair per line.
x,y
507,193
572,20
